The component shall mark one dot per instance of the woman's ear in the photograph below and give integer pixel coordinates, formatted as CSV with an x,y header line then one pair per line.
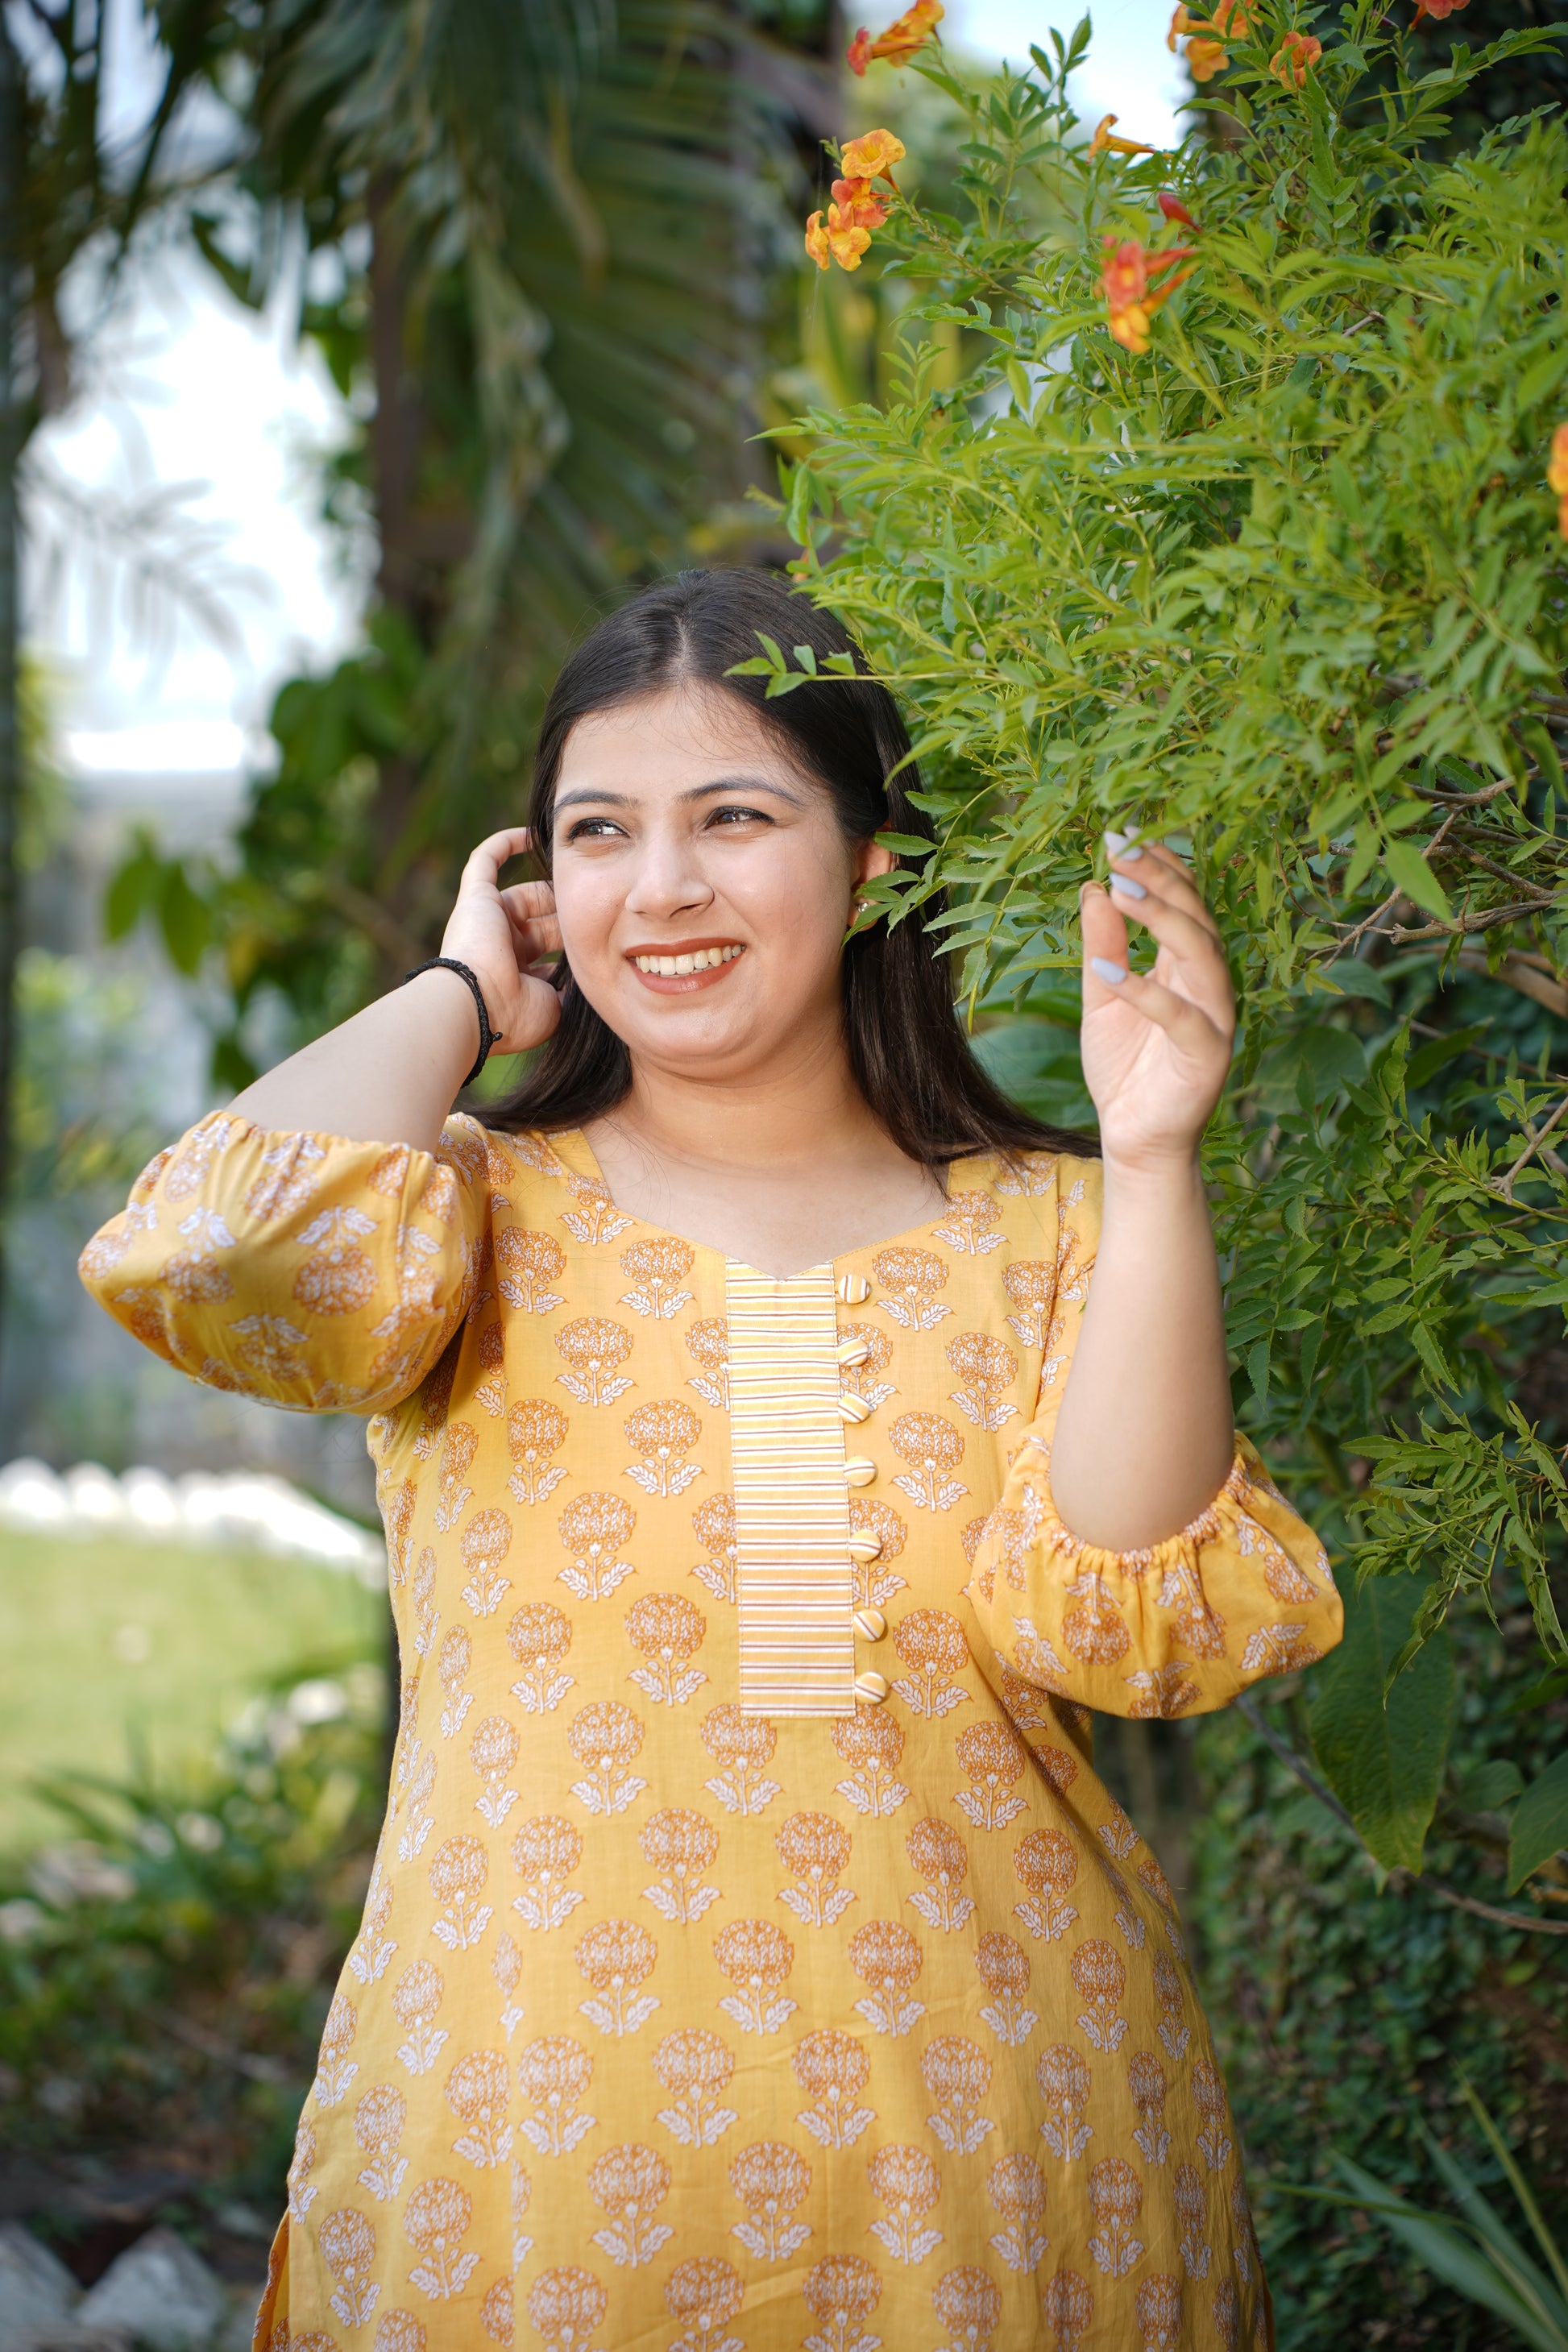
x,y
874,858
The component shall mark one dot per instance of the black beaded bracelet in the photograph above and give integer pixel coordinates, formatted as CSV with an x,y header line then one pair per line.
x,y
486,1035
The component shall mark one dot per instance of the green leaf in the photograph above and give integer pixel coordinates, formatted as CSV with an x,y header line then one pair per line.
x,y
1540,1827
1385,1762
1492,1785
186,920
1406,867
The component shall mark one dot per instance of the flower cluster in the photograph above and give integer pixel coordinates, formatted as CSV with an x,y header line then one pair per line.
x,y
1557,475
1291,62
912,31
1205,37
1133,295
856,207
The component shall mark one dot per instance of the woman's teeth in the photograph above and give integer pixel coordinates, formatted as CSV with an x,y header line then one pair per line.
x,y
700,959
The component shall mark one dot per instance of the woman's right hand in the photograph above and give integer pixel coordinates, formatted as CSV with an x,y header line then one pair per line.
x,y
504,936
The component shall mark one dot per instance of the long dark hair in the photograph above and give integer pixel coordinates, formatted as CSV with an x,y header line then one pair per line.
x,y
910,1058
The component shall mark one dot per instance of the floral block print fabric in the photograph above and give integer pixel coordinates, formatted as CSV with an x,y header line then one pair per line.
x,y
674,2023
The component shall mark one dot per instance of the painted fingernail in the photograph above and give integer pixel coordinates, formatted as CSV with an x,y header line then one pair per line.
x,y
1116,842
1103,969
1125,887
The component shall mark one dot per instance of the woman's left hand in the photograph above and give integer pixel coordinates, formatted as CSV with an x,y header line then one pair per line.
x,y
1155,1045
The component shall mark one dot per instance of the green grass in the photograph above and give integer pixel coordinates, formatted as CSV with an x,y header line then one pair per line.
x,y
106,1647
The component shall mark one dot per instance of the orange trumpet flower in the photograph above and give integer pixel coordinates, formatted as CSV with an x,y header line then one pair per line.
x,y
899,42
1130,297
1291,62
1106,142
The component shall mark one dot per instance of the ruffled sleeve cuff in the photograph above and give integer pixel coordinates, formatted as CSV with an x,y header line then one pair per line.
x,y
1176,1628
300,1269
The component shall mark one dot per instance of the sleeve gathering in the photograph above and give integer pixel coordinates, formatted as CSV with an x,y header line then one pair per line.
x,y
309,1272
1179,1627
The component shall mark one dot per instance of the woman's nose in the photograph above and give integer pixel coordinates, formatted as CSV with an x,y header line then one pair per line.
x,y
668,877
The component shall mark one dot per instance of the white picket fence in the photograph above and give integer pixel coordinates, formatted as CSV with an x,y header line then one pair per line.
x,y
238,1508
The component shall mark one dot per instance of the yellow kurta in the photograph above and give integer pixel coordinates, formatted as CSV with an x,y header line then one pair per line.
x,y
752,1960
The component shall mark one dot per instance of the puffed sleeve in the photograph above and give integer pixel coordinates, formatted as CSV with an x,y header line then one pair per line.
x,y
305,1271
1177,1629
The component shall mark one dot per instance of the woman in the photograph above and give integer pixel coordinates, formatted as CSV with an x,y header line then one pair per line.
x,y
752,1959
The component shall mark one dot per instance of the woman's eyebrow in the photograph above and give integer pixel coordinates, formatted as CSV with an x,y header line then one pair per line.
x,y
607,799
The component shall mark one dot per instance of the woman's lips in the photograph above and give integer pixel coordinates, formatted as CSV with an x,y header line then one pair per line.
x,y
679,969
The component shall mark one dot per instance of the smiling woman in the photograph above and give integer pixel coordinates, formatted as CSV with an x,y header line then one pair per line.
x,y
753,1163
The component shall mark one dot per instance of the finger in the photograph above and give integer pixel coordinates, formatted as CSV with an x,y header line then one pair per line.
x,y
528,900
1192,944
486,858
1187,1025
1104,942
1157,867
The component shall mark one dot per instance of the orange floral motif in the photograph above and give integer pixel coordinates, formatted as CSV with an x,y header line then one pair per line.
x,y
1158,2304
1172,2032
1208,2096
655,1268
493,1752
596,1529
595,1348
871,1742
841,2292
906,36
932,1643
861,1379
482,1546
595,1218
744,1745
1192,2213
336,2070
667,1629
400,1518
616,1956
1031,1285
709,1341
553,2075
833,2070
1146,2081
714,1522
1279,1650
970,2308
1100,1977
415,1998
434,1396
535,1429
932,1447
544,1853
1115,2200
957,2073
347,2243
459,1872
435,2220
606,1738
458,1447
526,1264
454,1659
302,2192
1300,52
477,2091
1159,1886
965,1222
1246,2247
680,1845
886,1957
290,1178
757,1957
772,2182
1047,1862
815,1849
876,1522
987,1370
937,1853
419,1821
498,2314
1065,2084
339,1279
565,2306
907,1283
695,2068
702,2296
1003,1968
1095,1631
193,1273
1016,2187
661,1436
630,2184
539,1638
908,2183
1068,2303
993,1758
1227,2316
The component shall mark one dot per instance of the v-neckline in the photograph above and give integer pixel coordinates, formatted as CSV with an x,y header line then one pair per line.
x,y
589,1166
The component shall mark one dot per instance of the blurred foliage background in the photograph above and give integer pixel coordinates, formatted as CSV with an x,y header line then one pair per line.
x,y
556,267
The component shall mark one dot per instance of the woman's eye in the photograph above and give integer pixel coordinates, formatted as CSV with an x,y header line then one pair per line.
x,y
740,816
593,828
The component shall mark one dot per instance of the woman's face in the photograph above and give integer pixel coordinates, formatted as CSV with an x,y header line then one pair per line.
x,y
703,883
